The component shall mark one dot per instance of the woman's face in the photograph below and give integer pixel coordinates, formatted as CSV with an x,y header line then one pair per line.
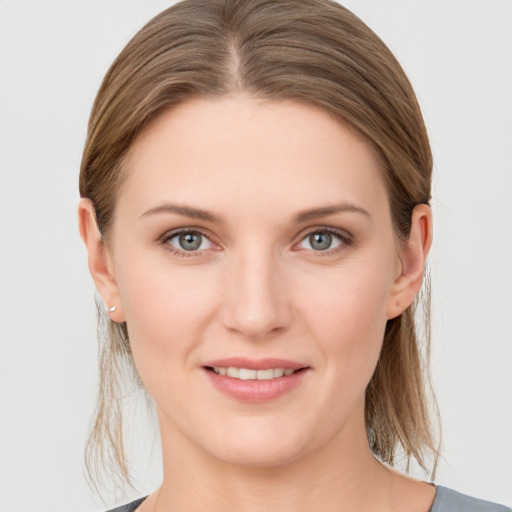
x,y
257,235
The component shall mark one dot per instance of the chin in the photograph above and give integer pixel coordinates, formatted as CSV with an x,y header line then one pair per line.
x,y
256,455
259,445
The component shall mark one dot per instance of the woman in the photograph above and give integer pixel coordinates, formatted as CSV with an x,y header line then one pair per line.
x,y
255,190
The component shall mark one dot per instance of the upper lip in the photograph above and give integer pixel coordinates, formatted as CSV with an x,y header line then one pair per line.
x,y
255,364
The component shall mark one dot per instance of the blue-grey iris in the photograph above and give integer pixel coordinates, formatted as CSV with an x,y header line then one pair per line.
x,y
190,241
320,241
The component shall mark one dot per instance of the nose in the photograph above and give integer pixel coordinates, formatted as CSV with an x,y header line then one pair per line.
x,y
255,304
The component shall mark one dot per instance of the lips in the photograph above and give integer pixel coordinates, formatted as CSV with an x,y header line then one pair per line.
x,y
249,374
255,364
255,381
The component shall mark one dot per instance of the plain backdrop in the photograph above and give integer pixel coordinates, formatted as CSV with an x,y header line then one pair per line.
x,y
53,55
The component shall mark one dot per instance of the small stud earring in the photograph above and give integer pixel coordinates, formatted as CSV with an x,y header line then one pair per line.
x,y
111,309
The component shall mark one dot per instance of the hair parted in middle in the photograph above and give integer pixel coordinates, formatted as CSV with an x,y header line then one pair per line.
x,y
309,51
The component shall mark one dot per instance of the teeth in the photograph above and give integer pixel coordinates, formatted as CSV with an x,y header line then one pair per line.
x,y
246,374
265,374
233,372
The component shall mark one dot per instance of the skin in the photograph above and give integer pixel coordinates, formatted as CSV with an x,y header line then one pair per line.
x,y
256,288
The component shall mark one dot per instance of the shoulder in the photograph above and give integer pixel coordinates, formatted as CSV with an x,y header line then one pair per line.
x,y
129,507
447,500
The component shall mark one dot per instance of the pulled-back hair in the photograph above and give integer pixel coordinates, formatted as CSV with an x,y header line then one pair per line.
x,y
310,51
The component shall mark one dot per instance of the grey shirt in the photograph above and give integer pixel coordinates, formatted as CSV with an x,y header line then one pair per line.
x,y
446,500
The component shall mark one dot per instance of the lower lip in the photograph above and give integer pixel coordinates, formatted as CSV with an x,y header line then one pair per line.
x,y
256,391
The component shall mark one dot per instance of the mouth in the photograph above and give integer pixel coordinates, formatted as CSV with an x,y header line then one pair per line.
x,y
255,381
253,374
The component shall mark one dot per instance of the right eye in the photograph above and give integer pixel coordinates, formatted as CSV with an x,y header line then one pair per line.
x,y
188,241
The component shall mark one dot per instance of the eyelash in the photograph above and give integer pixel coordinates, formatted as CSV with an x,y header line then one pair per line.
x,y
344,238
187,254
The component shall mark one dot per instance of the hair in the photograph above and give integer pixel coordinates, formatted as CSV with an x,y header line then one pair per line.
x,y
310,51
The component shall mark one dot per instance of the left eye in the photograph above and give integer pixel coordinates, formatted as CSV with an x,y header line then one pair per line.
x,y
189,241
321,241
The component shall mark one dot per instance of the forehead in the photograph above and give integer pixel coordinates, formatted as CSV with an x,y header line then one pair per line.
x,y
256,151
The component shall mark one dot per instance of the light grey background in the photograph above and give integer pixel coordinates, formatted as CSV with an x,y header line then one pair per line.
x,y
53,55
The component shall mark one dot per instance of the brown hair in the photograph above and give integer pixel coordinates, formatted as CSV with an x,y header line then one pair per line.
x,y
311,51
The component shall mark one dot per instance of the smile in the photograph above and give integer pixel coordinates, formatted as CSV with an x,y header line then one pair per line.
x,y
250,374
263,381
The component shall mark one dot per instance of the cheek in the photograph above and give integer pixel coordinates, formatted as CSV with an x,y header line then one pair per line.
x,y
166,308
346,313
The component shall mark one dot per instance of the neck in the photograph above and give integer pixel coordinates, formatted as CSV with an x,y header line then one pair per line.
x,y
343,475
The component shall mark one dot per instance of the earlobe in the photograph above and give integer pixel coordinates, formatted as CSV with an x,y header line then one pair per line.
x,y
413,258
99,260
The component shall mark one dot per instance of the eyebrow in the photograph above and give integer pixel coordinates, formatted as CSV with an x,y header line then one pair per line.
x,y
324,211
303,216
186,211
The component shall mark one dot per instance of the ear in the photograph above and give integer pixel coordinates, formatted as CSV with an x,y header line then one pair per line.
x,y
99,259
413,256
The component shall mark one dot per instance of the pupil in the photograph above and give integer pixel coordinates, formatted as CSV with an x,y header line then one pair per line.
x,y
320,241
190,241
